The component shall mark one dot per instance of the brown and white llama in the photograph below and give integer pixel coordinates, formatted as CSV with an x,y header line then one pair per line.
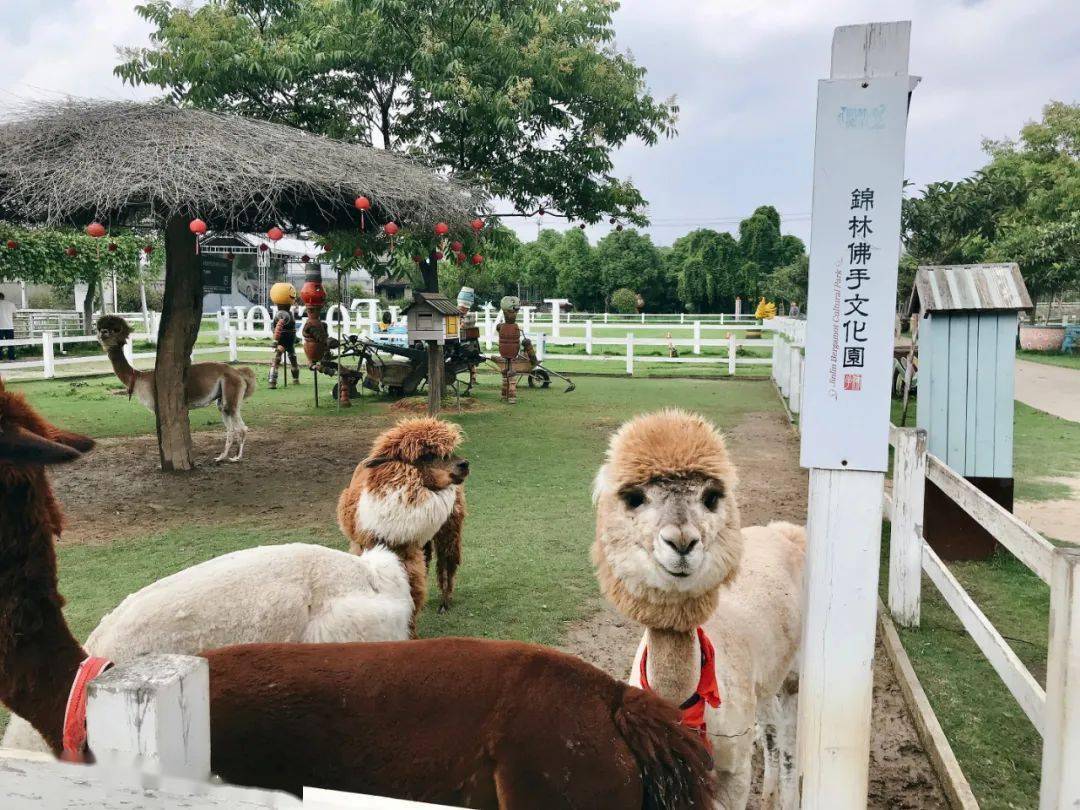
x,y
409,495
721,604
495,724
206,383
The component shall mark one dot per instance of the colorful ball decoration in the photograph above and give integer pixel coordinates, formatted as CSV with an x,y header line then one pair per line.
x,y
357,252
95,229
148,249
197,227
12,244
305,258
477,224
438,255
391,228
582,226
456,247
460,257
442,229
274,234
327,247
264,247
71,251
363,204
112,247
477,259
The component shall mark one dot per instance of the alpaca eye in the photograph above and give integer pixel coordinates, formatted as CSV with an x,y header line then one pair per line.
x,y
633,498
711,499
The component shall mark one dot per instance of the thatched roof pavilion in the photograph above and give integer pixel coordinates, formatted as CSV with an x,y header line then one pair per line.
x,y
118,162
123,163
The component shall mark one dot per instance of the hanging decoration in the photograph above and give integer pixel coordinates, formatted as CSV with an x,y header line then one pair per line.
x,y
12,244
274,234
197,227
438,255
456,247
112,247
71,251
95,229
264,247
148,249
357,252
305,259
363,205
477,259
477,225
391,229
230,256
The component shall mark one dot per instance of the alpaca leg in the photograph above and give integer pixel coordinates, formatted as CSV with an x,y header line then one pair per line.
x,y
447,542
787,723
768,733
228,437
241,433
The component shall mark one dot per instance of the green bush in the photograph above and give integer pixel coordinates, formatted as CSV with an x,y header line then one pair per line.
x,y
624,301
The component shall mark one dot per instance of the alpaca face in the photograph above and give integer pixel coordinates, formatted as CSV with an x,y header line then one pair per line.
x,y
112,331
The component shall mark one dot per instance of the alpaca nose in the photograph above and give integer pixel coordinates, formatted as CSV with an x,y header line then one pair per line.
x,y
681,539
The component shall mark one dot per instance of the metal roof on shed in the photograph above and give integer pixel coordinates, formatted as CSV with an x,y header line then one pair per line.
x,y
969,287
440,303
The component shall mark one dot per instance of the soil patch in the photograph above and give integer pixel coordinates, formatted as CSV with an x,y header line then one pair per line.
x,y
1058,518
418,405
773,487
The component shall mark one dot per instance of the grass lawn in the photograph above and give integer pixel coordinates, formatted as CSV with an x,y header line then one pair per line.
x,y
1070,360
526,572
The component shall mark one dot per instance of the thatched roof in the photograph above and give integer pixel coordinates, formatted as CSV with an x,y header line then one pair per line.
x,y
120,162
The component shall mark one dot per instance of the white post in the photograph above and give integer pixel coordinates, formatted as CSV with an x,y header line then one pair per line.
x,y
905,535
795,380
526,318
697,337
154,714
776,357
780,358
731,354
234,355
221,326
395,310
588,336
1060,785
682,317
643,317
630,353
791,369
556,308
372,313
48,356
605,317
489,329
858,179
541,342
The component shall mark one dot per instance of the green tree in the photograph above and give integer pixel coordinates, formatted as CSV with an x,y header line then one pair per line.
x,y
624,301
630,260
578,272
763,249
525,99
706,266
789,282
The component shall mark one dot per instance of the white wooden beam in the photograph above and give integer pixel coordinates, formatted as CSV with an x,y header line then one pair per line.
x,y
1060,787
906,537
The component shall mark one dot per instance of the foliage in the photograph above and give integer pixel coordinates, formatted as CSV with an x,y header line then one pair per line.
x,y
624,301
706,265
1022,206
628,259
526,100
790,281
578,272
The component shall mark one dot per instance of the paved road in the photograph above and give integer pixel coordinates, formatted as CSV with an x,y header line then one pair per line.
x,y
1054,389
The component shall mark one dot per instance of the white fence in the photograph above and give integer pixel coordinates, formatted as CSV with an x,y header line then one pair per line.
x,y
148,724
1053,711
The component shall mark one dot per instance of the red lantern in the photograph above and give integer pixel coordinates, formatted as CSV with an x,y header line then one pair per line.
x,y
357,252
417,259
95,229
477,259
582,226
363,203
71,251
12,244
540,210
618,227
112,247
274,234
460,257
391,228
264,247
477,224
327,247
197,227
456,247
305,258
442,229
148,249
438,256
230,256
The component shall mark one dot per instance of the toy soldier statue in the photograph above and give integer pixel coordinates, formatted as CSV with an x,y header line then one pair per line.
x,y
509,346
470,332
284,327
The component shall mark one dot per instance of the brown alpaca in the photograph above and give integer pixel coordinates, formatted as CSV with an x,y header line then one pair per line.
x,y
496,724
205,383
409,495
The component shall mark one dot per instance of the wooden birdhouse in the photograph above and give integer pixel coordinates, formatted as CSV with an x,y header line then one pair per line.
x,y
433,317
967,354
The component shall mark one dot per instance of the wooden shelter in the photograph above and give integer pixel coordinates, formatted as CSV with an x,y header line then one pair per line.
x,y
157,166
967,355
432,317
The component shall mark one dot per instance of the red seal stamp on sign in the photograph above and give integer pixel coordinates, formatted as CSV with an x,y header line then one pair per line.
x,y
853,382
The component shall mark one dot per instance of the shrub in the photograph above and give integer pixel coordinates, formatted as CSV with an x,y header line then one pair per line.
x,y
624,301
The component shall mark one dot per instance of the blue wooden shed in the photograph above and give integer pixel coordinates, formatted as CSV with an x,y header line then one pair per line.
x,y
967,353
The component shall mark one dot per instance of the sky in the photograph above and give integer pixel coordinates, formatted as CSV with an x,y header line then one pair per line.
x,y
744,74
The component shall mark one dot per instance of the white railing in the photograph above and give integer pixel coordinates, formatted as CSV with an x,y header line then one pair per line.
x,y
789,344
148,724
1055,710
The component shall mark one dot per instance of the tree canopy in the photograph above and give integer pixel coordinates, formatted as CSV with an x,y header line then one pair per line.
x,y
525,99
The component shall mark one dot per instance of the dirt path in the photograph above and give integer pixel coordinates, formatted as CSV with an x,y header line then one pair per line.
x,y
1058,518
773,487
1054,389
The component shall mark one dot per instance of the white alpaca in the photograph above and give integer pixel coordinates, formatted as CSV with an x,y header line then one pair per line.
x,y
670,554
287,593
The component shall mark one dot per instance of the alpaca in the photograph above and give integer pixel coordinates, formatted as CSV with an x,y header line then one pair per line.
x,y
670,554
205,383
535,728
409,495
292,592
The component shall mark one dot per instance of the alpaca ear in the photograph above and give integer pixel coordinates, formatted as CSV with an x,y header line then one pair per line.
x,y
20,446
371,463
84,444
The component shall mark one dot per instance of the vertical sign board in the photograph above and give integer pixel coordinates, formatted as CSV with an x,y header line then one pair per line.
x,y
217,272
854,253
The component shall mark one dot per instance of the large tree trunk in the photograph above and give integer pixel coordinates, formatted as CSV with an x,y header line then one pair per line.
x,y
181,313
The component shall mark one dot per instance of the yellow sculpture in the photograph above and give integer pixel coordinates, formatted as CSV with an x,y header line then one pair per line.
x,y
283,294
766,310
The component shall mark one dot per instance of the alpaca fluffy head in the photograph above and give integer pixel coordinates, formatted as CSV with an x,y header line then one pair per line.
x,y
113,331
668,532
406,488
27,440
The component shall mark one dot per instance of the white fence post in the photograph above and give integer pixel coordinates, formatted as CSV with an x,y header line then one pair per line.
x,y
48,356
541,346
234,354
731,354
780,359
588,336
905,535
395,311
222,326
1060,786
153,713
605,317
630,353
488,327
697,337
776,357
795,380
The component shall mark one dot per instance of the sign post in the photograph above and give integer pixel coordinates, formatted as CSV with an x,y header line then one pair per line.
x,y
854,253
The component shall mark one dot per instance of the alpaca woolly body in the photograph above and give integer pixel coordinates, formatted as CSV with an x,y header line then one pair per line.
x,y
288,593
404,516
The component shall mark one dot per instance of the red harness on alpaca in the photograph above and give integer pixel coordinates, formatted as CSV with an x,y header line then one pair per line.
x,y
75,713
708,691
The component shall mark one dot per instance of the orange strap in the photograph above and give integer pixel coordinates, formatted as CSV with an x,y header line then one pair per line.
x,y
707,692
75,713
